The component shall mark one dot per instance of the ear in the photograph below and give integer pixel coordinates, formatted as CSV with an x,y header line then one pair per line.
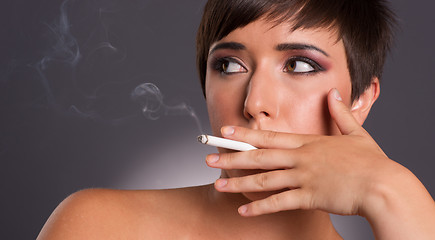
x,y
361,106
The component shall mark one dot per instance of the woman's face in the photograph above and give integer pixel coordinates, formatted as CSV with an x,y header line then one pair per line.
x,y
269,78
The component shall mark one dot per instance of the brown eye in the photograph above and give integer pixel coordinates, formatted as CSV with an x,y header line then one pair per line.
x,y
225,66
229,67
301,66
290,67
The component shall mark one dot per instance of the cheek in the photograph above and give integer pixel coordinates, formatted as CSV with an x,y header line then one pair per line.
x,y
308,114
212,109
223,105
345,88
213,114
307,109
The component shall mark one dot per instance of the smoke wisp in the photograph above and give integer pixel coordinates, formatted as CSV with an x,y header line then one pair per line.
x,y
79,74
150,98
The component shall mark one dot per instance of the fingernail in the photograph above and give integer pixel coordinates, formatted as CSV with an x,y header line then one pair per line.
x,y
212,158
227,131
243,209
221,183
337,95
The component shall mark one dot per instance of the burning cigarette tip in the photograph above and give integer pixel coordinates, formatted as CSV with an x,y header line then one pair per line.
x,y
202,139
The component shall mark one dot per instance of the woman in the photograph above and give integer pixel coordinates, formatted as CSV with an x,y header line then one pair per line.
x,y
296,79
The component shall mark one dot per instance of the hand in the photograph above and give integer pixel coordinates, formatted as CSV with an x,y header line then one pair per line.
x,y
331,173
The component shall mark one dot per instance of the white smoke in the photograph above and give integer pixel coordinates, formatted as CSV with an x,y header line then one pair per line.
x,y
65,52
150,98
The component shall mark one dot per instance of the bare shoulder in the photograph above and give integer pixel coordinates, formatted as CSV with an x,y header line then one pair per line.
x,y
111,214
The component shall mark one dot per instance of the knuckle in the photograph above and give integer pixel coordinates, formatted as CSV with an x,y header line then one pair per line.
x,y
269,137
307,202
261,181
258,156
275,202
227,159
235,182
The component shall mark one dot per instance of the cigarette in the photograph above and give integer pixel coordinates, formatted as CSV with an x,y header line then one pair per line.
x,y
225,143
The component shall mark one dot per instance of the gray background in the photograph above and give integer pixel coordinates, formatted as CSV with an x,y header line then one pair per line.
x,y
68,121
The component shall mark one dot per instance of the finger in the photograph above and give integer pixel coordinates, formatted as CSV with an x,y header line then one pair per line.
x,y
288,200
341,114
266,139
269,181
267,159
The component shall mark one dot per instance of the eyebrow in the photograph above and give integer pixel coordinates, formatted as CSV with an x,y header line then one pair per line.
x,y
279,47
299,46
228,45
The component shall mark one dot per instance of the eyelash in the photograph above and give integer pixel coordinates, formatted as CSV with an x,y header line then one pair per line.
x,y
218,63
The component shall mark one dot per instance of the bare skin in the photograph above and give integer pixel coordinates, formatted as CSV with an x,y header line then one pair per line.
x,y
337,168
287,93
188,213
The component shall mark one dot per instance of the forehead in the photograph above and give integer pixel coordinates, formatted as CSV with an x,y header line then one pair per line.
x,y
268,35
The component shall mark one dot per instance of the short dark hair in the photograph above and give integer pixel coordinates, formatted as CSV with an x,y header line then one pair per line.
x,y
366,28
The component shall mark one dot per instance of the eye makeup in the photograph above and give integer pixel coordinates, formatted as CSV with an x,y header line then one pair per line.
x,y
299,58
292,65
304,52
227,65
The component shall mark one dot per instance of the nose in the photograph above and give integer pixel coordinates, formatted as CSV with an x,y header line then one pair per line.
x,y
261,97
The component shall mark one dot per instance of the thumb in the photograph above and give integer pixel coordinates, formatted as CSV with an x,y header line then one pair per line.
x,y
342,114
